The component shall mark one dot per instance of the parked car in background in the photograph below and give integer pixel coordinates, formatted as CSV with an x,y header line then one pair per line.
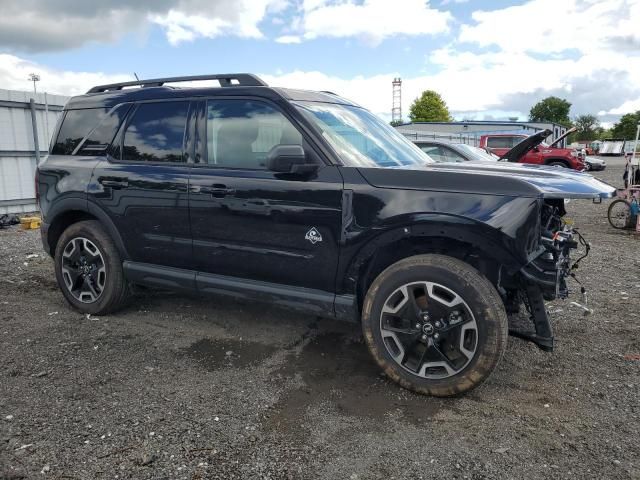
x,y
594,163
539,154
454,152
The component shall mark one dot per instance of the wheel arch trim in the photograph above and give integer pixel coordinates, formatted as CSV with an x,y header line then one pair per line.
x,y
66,206
484,238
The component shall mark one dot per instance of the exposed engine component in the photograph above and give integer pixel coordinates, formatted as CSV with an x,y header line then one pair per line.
x,y
546,275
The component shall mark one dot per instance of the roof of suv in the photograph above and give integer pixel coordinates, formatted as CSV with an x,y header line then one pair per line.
x,y
107,96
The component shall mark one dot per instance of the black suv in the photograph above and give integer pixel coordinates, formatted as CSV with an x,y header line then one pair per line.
x,y
305,200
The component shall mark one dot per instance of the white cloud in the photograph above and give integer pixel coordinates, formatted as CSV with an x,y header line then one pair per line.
x,y
626,107
193,19
14,72
371,20
289,39
46,25
548,26
584,50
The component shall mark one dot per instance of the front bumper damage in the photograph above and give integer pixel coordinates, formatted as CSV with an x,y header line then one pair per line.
x,y
545,276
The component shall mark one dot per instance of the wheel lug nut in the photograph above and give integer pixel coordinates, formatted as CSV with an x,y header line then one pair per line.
x,y
438,324
424,337
417,325
436,335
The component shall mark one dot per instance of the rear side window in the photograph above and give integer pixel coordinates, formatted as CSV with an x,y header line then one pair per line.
x,y
434,151
75,126
499,142
156,133
452,156
503,142
100,138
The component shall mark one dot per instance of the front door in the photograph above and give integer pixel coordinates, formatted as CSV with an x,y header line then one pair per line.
x,y
252,223
143,184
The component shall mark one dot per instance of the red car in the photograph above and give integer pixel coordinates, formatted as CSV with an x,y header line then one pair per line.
x,y
534,151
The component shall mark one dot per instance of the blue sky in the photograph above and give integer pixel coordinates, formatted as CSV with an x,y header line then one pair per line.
x,y
489,59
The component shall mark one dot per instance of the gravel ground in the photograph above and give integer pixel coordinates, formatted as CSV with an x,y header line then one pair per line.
x,y
193,388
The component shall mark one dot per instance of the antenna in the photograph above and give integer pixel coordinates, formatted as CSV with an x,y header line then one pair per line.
x,y
136,75
396,109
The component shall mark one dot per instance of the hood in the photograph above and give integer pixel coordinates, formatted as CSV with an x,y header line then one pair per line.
x,y
521,149
563,136
513,179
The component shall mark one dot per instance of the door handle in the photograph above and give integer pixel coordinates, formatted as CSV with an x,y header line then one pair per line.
x,y
113,183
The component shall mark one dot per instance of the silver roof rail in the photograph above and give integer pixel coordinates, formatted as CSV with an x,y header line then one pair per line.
x,y
226,80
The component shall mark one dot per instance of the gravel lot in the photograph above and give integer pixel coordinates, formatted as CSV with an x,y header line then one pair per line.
x,y
194,388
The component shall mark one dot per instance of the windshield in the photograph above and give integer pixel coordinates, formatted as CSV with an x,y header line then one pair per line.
x,y
360,138
477,153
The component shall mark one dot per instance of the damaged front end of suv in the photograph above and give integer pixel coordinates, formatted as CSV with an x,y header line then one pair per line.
x,y
554,262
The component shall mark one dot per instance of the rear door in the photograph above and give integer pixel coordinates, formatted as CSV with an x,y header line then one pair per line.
x,y
143,184
253,223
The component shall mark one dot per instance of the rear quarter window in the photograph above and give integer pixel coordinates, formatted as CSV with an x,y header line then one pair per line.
x,y
101,137
76,124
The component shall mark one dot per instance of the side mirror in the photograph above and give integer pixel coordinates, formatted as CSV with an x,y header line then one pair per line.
x,y
289,159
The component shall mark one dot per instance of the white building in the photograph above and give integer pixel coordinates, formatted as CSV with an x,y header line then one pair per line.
x,y
17,144
470,131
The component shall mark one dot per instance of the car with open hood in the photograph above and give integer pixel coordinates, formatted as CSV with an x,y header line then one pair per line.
x,y
305,200
532,149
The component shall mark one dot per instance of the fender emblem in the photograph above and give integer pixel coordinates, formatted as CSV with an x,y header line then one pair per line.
x,y
313,235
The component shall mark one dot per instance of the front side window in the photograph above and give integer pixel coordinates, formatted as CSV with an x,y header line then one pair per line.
x,y
155,133
362,139
241,133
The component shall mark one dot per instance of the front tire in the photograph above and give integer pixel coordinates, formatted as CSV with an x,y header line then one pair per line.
x,y
435,325
88,269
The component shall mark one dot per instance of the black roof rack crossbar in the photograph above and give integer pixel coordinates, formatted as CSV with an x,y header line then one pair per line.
x,y
226,80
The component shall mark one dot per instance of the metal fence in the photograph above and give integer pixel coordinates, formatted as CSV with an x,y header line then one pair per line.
x,y
27,121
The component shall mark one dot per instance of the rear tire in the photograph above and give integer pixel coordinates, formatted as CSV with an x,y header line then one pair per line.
x,y
558,164
435,325
88,269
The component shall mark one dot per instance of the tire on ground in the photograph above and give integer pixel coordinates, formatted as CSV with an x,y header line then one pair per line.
x,y
558,163
116,291
480,296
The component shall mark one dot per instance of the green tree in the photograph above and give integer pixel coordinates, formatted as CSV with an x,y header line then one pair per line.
x,y
626,126
429,107
604,133
551,109
588,126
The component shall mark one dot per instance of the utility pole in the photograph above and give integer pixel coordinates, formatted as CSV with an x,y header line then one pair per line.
x,y
396,109
34,77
